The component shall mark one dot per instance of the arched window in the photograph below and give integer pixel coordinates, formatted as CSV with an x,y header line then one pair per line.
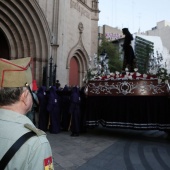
x,y
95,4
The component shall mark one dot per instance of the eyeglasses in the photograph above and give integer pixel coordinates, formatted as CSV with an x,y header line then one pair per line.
x,y
33,99
29,89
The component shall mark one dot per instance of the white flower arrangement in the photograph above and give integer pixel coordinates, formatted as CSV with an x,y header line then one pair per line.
x,y
90,75
162,75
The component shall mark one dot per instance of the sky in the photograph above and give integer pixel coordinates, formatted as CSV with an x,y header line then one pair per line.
x,y
133,14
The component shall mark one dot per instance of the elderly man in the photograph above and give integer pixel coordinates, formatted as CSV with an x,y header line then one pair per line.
x,y
22,145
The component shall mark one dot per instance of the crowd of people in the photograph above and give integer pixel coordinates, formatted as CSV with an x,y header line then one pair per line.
x,y
59,109
26,112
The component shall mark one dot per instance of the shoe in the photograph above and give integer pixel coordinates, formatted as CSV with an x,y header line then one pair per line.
x,y
74,134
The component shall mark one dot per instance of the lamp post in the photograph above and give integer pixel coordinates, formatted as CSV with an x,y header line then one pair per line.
x,y
44,80
54,74
51,72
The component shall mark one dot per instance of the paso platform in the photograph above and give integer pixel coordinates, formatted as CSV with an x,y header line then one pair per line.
x,y
136,104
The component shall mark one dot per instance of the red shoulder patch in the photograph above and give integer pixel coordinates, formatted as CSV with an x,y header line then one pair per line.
x,y
48,163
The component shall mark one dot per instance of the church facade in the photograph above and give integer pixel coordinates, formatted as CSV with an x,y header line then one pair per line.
x,y
63,33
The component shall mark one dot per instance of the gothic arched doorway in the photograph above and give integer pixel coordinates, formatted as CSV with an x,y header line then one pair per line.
x,y
74,72
25,33
4,47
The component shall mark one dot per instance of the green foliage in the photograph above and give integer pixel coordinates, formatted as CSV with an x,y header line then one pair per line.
x,y
115,63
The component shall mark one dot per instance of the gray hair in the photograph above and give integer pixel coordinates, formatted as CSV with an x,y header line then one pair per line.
x,y
10,96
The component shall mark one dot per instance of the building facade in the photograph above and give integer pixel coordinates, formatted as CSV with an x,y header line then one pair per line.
x,y
162,29
109,33
158,35
63,32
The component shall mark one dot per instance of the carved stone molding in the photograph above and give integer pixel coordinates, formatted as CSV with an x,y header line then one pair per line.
x,y
81,27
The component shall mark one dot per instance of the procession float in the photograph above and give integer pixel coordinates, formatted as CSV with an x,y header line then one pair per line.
x,y
128,99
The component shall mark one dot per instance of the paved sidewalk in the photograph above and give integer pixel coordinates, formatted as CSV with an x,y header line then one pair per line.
x,y
111,149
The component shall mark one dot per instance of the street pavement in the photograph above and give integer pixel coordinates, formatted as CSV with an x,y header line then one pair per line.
x,y
111,149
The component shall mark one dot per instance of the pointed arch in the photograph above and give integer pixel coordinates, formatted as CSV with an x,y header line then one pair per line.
x,y
80,54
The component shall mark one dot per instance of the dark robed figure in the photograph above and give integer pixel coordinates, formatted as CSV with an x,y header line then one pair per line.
x,y
53,108
83,110
43,113
129,57
65,103
75,111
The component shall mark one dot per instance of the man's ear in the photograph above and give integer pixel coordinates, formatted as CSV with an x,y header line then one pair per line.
x,y
23,96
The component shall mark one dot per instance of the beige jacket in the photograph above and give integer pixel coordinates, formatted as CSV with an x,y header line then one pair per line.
x,y
35,153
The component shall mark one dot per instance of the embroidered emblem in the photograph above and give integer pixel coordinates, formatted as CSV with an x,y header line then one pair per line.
x,y
48,163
